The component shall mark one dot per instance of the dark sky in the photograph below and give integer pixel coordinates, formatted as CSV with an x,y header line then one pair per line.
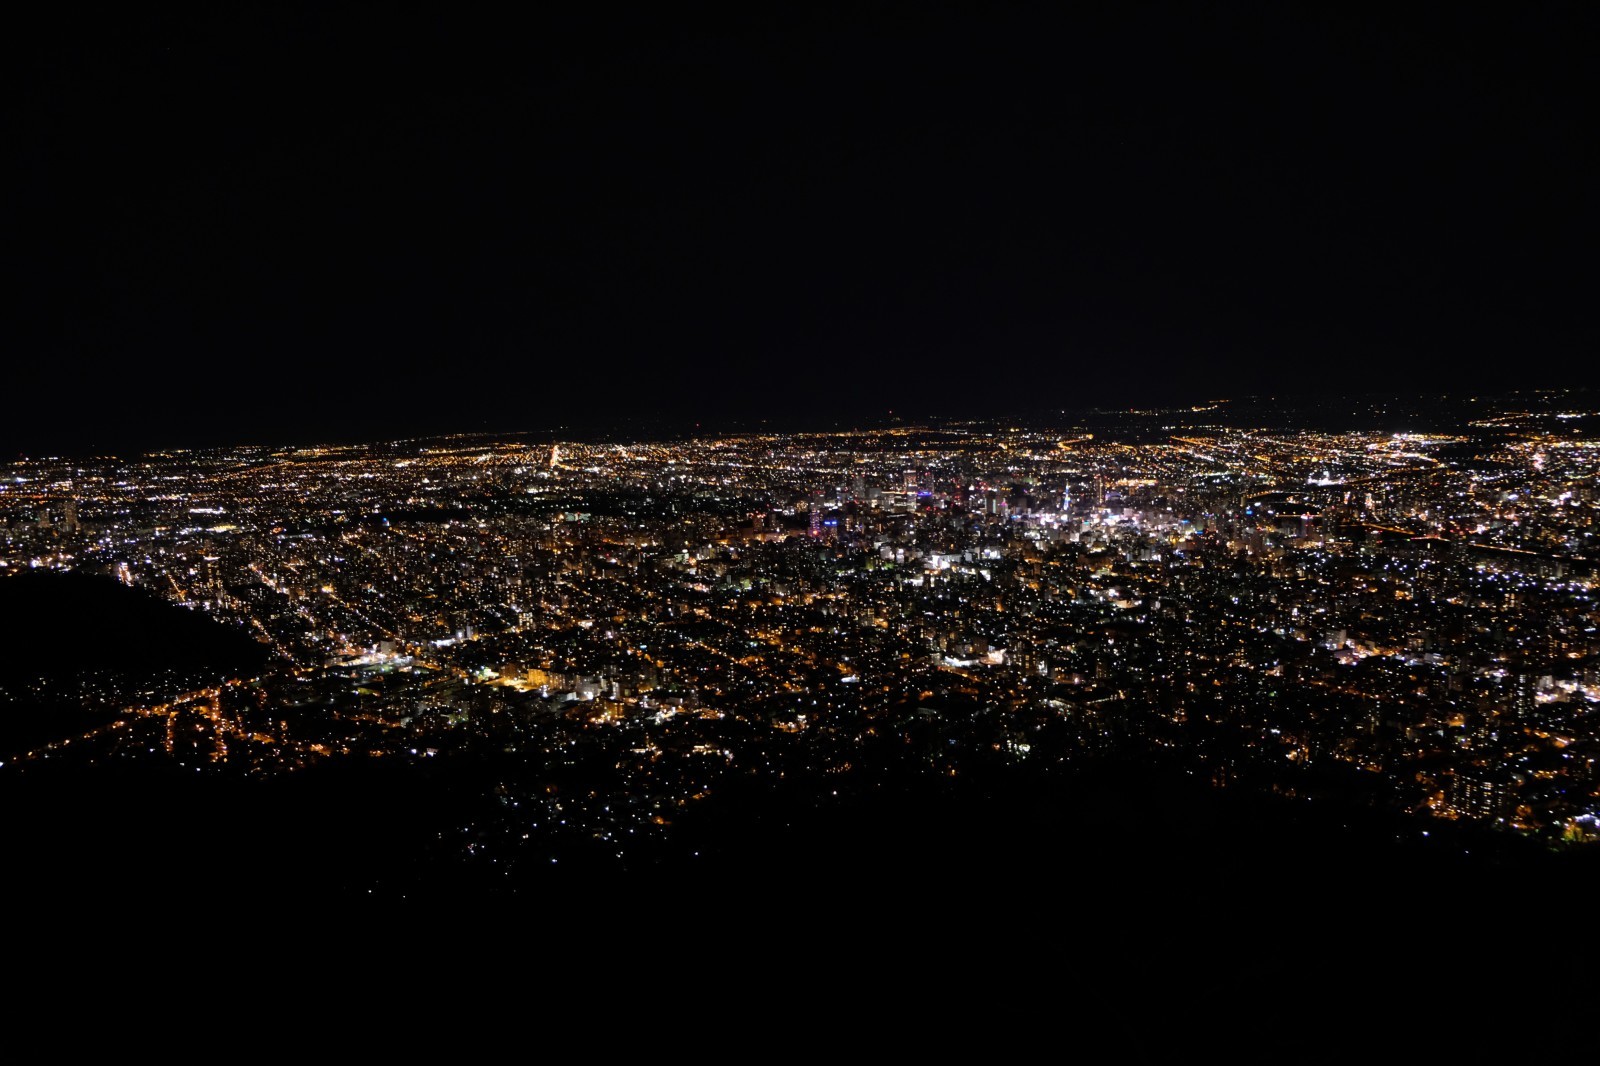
x,y
276,225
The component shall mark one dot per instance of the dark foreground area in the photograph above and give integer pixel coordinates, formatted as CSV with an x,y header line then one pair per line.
x,y
1125,835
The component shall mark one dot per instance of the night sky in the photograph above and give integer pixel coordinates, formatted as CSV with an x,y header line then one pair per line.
x,y
289,225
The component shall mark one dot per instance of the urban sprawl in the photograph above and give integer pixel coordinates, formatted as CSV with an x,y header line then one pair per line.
x,y
621,631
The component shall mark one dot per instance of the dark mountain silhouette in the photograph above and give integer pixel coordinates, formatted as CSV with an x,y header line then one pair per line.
x,y
75,645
